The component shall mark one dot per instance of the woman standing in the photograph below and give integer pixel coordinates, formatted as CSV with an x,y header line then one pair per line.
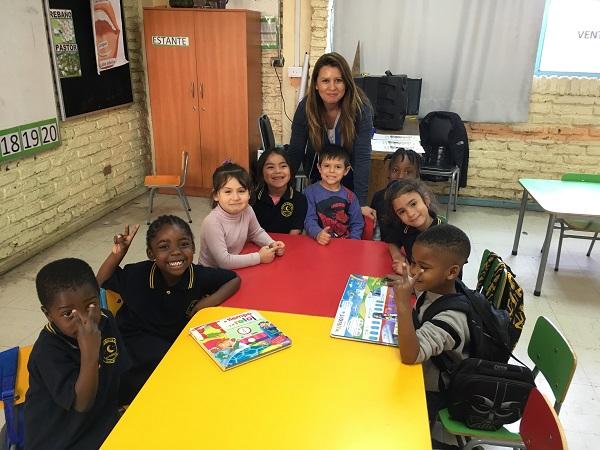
x,y
334,111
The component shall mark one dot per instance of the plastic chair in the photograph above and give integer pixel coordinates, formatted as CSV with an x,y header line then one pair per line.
x,y
268,142
444,139
14,382
176,182
554,358
368,230
579,225
110,300
540,426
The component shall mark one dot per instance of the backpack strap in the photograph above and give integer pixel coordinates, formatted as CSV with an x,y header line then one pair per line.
x,y
452,302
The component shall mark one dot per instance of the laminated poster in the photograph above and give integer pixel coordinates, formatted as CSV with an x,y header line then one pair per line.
x,y
65,46
108,34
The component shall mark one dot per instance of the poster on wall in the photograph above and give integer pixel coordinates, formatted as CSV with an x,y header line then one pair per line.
x,y
108,34
64,43
28,122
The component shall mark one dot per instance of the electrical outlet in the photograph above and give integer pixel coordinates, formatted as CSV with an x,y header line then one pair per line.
x,y
277,62
295,72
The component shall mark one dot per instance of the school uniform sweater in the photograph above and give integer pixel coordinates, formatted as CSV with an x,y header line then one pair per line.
x,y
223,235
51,422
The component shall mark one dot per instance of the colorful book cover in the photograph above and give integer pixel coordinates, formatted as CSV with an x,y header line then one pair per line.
x,y
366,312
238,339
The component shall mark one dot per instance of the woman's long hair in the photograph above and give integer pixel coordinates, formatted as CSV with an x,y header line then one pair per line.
x,y
351,104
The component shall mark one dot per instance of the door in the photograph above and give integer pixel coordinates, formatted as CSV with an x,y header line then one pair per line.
x,y
222,68
170,51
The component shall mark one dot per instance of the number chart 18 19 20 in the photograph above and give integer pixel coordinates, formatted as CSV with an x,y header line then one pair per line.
x,y
24,140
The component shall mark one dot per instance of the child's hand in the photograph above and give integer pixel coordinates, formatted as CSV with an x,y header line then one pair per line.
x,y
267,254
279,247
88,334
123,241
398,264
367,211
404,286
324,237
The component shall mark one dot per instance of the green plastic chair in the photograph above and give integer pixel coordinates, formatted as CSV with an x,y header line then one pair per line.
x,y
579,225
553,356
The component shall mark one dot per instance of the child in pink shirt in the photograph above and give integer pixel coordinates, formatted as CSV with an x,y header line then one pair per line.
x,y
232,222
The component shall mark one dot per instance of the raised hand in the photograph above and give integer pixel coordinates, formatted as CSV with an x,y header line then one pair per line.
x,y
123,241
324,237
88,334
267,254
398,265
404,286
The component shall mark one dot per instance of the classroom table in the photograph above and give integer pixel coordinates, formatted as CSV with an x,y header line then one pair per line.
x,y
320,393
558,198
309,278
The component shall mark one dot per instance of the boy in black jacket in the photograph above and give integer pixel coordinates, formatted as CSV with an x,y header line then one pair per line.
x,y
75,364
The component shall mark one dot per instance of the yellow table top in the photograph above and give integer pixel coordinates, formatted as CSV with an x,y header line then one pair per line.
x,y
320,393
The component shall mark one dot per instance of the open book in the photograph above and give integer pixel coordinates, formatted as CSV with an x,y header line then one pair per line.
x,y
366,312
238,339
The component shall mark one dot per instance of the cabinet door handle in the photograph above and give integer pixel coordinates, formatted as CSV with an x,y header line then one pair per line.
x,y
193,89
201,89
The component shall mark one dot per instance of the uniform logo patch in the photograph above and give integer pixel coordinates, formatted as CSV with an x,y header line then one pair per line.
x,y
110,351
287,209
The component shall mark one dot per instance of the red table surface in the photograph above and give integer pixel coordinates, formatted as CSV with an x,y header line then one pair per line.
x,y
310,278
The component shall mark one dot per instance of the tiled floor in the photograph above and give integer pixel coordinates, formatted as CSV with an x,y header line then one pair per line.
x,y
570,297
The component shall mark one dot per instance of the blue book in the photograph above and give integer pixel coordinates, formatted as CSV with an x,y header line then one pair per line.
x,y
366,312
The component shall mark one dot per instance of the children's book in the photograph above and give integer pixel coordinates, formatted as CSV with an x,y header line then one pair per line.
x,y
366,312
238,339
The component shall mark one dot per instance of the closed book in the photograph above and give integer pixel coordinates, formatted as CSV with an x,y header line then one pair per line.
x,y
238,339
366,312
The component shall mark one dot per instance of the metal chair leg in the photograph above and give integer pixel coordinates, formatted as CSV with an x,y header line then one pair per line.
x,y
456,188
560,240
181,196
187,202
594,239
151,201
450,197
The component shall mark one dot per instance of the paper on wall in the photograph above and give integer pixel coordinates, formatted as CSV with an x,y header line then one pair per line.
x,y
108,34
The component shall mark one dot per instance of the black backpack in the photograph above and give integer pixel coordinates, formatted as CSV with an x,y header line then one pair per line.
x,y
484,392
489,328
445,132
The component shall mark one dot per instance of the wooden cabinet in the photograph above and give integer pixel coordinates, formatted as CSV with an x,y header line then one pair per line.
x,y
205,89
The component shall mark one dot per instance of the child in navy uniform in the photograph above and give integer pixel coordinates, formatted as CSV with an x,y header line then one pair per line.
x,y
159,295
75,364
438,256
333,209
279,207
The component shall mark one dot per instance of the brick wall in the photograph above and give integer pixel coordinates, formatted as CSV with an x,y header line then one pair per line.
x,y
48,196
318,29
562,134
271,92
